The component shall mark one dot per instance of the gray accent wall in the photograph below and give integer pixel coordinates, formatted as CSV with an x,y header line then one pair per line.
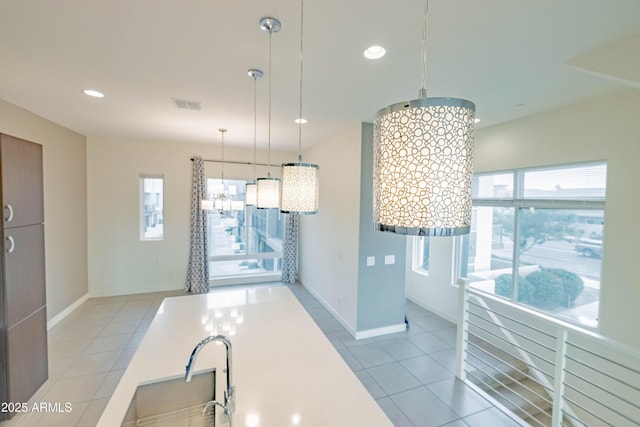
x,y
381,287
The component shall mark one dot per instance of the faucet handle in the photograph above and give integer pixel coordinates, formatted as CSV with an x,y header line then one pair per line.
x,y
230,400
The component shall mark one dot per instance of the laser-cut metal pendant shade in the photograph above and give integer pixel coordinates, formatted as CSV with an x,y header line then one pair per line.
x,y
300,188
423,164
268,194
300,181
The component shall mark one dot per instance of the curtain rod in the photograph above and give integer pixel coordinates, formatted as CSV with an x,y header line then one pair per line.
x,y
231,161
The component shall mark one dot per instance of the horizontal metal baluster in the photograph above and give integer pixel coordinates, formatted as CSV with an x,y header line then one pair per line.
x,y
603,373
515,332
597,402
629,368
602,388
516,369
512,319
505,397
516,346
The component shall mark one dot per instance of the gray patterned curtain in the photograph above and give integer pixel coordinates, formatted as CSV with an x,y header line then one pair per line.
x,y
290,249
198,269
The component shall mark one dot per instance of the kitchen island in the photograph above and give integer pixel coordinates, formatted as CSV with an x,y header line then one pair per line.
x,y
285,371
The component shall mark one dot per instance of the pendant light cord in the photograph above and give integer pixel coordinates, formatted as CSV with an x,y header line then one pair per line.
x,y
222,131
269,138
255,121
301,69
423,71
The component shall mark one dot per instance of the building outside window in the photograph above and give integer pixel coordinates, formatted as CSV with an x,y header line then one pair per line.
x,y
151,207
244,242
537,238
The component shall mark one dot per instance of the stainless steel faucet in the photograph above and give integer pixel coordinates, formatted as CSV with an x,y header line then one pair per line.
x,y
229,404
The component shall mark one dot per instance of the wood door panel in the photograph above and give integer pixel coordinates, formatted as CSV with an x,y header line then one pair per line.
x,y
22,185
24,272
27,359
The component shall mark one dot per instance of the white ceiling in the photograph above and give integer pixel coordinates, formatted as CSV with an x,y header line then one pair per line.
x,y
513,58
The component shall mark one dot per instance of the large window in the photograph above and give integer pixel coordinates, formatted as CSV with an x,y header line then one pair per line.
x,y
151,207
537,238
243,242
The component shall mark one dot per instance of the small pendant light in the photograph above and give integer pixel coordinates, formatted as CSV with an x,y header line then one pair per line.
x,y
300,181
268,194
251,189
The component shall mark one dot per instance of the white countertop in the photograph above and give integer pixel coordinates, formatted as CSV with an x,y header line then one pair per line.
x,y
285,370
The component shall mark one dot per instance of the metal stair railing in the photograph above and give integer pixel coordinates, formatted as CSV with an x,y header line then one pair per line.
x,y
590,380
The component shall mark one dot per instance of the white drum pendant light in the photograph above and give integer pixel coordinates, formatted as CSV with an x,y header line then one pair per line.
x,y
251,189
251,193
423,163
268,189
300,181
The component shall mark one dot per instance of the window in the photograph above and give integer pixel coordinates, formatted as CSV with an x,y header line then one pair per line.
x,y
151,207
243,242
421,254
537,238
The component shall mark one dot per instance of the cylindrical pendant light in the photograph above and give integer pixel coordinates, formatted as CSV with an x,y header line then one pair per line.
x,y
300,181
251,189
206,204
222,203
268,189
423,164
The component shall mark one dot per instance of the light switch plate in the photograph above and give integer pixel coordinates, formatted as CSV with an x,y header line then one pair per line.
x,y
389,259
371,260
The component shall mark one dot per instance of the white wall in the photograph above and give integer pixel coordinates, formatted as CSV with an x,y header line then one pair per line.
x,y
436,289
329,240
65,213
600,129
119,262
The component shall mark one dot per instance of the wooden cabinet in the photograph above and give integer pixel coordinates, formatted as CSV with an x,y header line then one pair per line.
x,y
23,317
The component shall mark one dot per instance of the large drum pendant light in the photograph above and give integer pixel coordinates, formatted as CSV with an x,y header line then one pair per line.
x,y
423,163
268,189
300,181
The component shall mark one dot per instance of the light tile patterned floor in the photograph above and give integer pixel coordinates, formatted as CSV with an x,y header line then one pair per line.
x,y
410,374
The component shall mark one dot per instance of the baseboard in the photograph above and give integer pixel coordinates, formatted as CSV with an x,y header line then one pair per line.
x,y
358,335
370,333
424,304
96,293
335,314
245,280
67,311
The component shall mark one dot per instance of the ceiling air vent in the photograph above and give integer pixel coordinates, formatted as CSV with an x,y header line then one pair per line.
x,y
185,104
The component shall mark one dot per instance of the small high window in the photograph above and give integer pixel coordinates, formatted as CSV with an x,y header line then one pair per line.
x,y
151,207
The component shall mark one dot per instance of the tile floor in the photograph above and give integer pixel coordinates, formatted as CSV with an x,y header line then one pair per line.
x,y
410,374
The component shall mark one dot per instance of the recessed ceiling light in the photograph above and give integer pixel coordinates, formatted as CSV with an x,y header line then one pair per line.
x,y
374,52
301,121
93,93
476,120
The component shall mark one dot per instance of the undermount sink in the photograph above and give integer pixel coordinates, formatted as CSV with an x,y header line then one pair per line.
x,y
174,402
